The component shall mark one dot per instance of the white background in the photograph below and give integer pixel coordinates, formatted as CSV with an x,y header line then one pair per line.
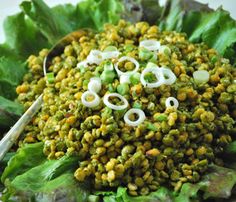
x,y
9,7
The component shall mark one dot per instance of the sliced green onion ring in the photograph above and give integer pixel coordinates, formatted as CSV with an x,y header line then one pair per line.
x,y
82,64
158,74
172,102
128,72
95,57
201,76
112,106
139,112
164,50
124,78
171,78
135,78
110,52
150,44
95,84
95,102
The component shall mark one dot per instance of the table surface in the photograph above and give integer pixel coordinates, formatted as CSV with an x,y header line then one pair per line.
x,y
12,7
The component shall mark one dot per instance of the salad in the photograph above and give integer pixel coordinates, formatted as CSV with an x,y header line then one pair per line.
x,y
141,109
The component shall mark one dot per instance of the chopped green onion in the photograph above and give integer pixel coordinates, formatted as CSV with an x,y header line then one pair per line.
x,y
110,48
85,82
50,77
150,77
93,198
108,66
161,117
151,64
98,70
123,88
111,89
135,78
137,105
151,127
82,69
128,47
153,58
108,76
165,50
214,59
145,54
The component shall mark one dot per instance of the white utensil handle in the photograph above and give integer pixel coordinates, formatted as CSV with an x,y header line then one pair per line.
x,y
13,134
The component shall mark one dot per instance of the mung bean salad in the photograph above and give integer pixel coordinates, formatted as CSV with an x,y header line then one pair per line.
x,y
140,107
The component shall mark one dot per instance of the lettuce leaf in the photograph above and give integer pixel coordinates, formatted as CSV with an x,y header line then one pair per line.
x,y
29,175
3,164
9,112
22,36
121,195
216,28
11,74
27,157
218,183
22,39
231,148
57,22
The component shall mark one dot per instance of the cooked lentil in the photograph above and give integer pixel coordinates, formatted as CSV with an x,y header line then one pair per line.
x,y
171,146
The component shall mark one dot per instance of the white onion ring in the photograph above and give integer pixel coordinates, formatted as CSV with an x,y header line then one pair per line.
x,y
129,59
164,49
125,78
157,72
150,44
172,99
95,57
82,64
201,76
140,119
95,84
110,54
95,102
171,76
112,106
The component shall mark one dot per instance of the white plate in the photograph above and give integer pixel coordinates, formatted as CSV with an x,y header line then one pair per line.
x,y
12,6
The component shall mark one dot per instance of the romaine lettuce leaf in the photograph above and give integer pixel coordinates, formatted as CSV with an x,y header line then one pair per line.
x,y
26,158
29,175
11,74
22,39
22,36
9,112
3,164
57,22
